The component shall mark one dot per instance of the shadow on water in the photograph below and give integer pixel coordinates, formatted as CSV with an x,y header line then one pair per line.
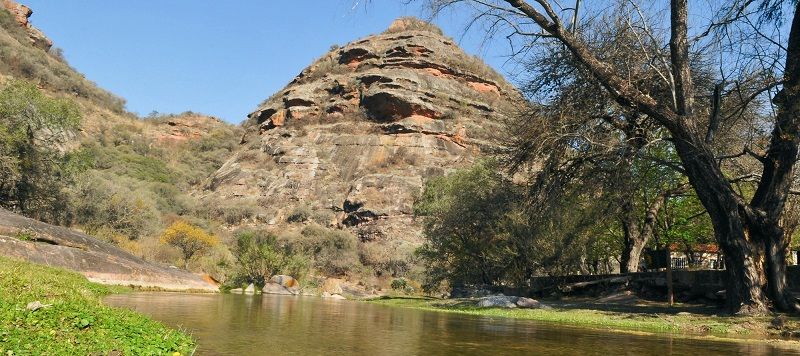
x,y
288,325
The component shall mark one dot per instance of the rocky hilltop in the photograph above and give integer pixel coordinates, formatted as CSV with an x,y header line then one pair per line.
x,y
355,135
22,13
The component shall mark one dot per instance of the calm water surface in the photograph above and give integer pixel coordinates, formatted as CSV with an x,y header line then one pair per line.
x,y
286,325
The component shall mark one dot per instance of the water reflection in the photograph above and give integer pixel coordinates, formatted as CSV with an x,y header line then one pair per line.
x,y
288,325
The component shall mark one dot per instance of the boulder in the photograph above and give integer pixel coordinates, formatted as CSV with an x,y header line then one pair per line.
x,y
251,289
22,13
275,288
237,291
498,301
529,303
285,281
332,296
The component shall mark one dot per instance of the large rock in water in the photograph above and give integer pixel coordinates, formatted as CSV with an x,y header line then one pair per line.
x,y
355,135
98,261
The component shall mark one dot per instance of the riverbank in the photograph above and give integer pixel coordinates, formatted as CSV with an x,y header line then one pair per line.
x,y
682,320
44,308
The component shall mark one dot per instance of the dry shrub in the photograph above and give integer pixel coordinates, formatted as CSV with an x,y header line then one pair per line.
x,y
387,259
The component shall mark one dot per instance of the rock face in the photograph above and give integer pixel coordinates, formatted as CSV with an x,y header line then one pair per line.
x,y
100,262
355,135
184,127
22,13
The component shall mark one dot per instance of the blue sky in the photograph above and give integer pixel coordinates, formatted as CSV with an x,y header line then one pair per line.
x,y
220,58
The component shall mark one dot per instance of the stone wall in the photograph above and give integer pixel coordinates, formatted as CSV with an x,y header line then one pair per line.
x,y
690,283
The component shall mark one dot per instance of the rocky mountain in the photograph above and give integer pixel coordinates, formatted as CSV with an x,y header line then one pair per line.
x,y
351,140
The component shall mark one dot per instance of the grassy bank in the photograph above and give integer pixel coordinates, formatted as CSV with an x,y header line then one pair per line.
x,y
651,319
72,320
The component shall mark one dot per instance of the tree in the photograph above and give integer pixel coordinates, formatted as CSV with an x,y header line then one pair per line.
x,y
747,228
467,225
190,239
35,165
481,230
592,144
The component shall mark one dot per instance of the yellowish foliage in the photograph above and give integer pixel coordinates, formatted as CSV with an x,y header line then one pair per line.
x,y
188,238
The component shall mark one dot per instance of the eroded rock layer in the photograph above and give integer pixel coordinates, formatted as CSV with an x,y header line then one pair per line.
x,y
355,135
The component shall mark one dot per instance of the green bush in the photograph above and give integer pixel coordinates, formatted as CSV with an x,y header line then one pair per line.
x,y
259,256
34,170
399,283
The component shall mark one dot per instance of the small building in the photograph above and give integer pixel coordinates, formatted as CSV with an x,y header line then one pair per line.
x,y
700,256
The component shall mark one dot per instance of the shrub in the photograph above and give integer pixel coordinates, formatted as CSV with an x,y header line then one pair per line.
x,y
259,256
102,201
299,214
190,239
233,212
334,251
393,261
323,217
399,283
413,23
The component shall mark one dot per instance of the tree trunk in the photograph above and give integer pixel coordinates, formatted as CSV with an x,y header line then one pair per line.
x,y
631,255
635,239
744,253
777,247
632,242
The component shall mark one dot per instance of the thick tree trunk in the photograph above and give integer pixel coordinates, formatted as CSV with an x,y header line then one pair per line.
x,y
633,244
634,238
631,255
777,247
744,253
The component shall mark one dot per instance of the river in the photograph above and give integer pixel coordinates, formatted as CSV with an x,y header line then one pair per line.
x,y
227,324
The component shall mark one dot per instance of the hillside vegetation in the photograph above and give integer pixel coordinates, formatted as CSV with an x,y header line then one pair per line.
x,y
73,156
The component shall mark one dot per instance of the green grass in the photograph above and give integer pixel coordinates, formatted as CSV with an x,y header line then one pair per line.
x,y
75,322
683,323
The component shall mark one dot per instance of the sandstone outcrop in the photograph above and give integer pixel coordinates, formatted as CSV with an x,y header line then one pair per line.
x,y
22,13
37,242
355,135
184,127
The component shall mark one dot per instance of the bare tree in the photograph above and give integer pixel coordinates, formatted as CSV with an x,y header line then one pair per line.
x,y
747,227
